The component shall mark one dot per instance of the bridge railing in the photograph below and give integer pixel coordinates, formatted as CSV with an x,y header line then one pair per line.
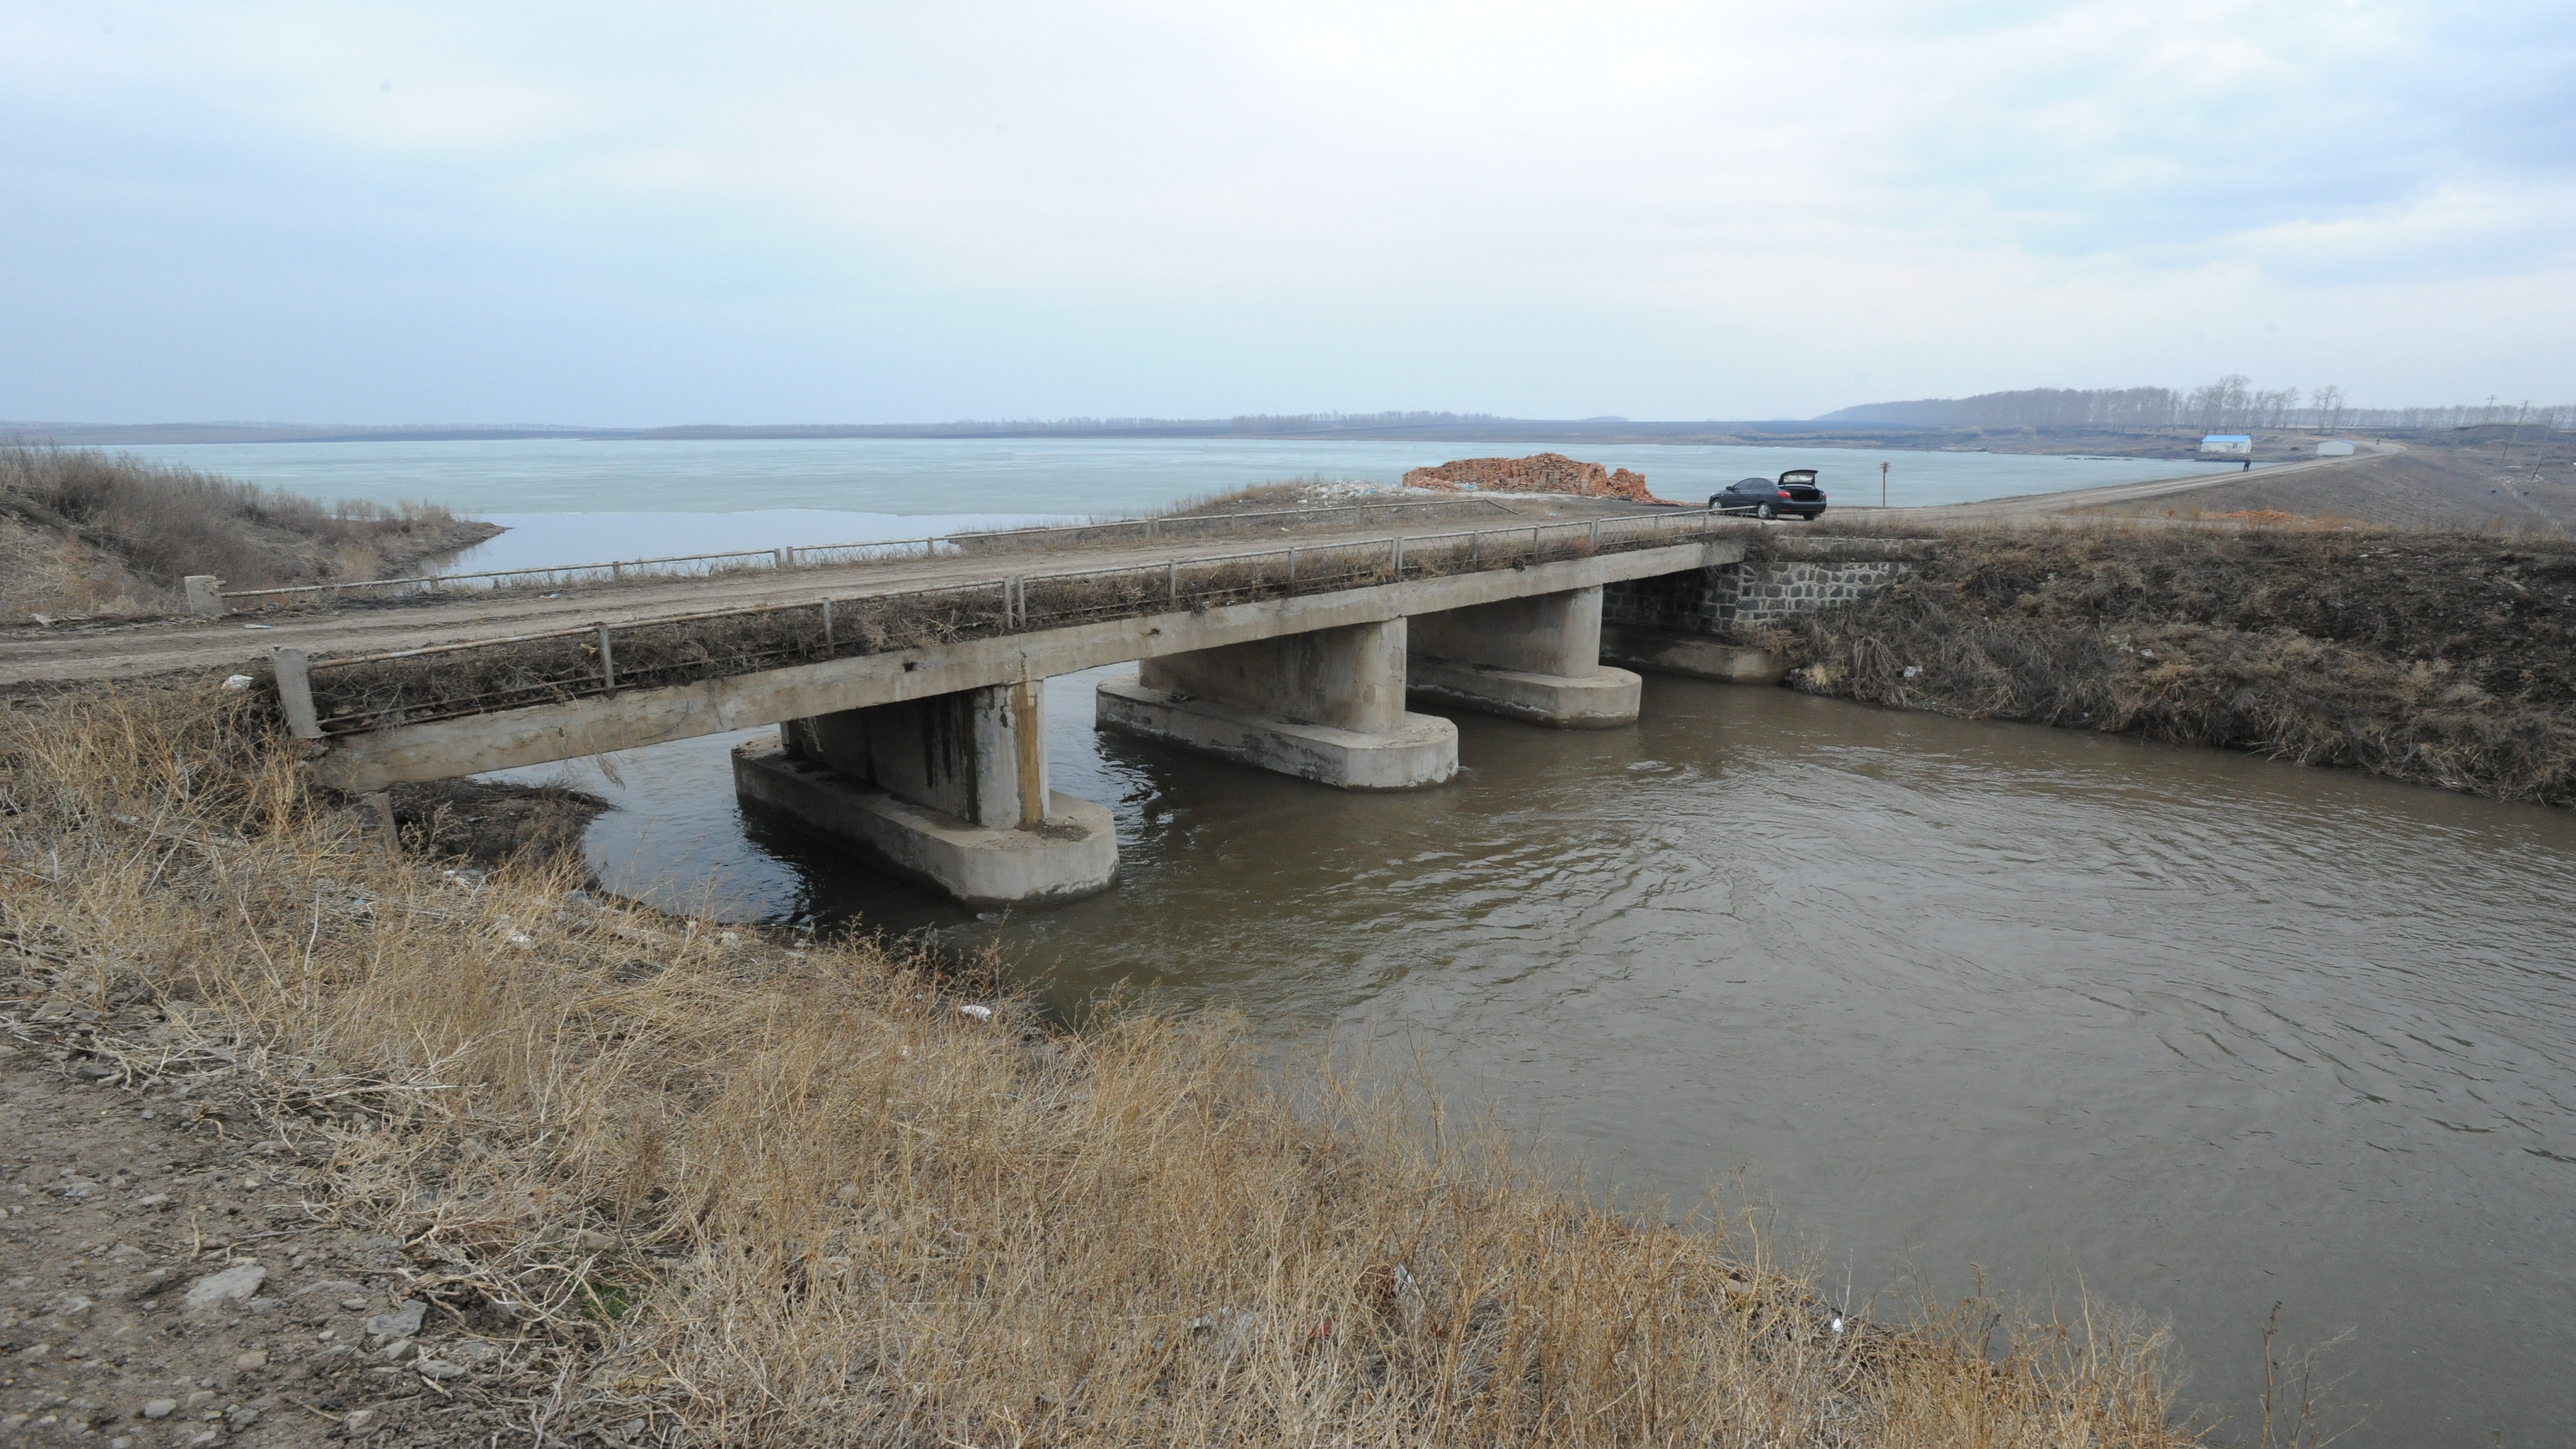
x,y
794,556
328,696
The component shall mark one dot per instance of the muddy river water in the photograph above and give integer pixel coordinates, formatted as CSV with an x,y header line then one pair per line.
x,y
2194,1032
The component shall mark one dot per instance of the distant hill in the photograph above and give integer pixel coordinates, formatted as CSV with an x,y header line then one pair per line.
x,y
2038,407
2232,404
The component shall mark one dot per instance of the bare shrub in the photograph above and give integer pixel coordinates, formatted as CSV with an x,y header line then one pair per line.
x,y
156,523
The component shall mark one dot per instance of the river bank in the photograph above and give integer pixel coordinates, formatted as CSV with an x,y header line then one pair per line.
x,y
679,1181
2434,658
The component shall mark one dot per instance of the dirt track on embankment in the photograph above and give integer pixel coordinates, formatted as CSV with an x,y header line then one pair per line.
x,y
35,655
2116,496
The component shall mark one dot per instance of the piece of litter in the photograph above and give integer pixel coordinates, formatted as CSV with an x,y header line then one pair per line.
x,y
238,681
1912,670
259,626
980,1013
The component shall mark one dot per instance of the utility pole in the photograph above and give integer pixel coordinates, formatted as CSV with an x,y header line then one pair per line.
x,y
2505,458
1882,483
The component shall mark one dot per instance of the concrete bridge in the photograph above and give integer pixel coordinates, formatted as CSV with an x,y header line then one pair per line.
x,y
909,706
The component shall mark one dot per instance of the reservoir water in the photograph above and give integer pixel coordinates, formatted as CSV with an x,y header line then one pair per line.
x,y
2196,1032
913,476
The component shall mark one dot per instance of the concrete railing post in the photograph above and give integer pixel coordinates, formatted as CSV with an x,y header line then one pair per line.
x,y
607,662
295,693
786,558
205,595
828,643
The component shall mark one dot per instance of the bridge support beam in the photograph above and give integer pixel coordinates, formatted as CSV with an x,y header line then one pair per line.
x,y
950,791
1536,659
1326,706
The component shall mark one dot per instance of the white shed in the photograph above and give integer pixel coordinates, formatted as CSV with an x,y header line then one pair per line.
x,y
2228,444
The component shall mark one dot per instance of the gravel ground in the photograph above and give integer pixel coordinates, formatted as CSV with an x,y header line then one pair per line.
x,y
168,1276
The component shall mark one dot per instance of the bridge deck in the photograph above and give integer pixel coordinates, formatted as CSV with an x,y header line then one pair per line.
x,y
418,736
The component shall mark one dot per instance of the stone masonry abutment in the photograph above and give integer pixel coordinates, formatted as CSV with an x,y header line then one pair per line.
x,y
1695,622
1536,658
949,790
1326,706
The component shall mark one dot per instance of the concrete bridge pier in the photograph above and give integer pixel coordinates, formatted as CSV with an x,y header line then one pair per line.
x,y
1536,658
950,790
1326,706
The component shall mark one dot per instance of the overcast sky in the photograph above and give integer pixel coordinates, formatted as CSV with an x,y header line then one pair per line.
x,y
640,214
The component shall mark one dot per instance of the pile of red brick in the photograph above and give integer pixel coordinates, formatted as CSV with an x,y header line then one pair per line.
x,y
1539,473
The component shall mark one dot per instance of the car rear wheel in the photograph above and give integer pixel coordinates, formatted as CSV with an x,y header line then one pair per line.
x,y
1766,511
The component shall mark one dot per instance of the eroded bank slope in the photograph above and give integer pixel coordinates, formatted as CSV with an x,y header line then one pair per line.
x,y
2442,659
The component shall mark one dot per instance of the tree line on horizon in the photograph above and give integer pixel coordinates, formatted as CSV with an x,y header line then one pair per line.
x,y
2232,403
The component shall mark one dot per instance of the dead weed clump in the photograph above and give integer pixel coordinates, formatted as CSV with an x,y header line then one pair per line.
x,y
730,1190
2432,658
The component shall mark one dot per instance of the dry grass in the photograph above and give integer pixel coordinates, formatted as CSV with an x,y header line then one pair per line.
x,y
88,532
737,1191
2430,657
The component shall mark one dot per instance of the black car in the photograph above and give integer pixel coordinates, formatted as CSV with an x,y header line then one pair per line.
x,y
1793,494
